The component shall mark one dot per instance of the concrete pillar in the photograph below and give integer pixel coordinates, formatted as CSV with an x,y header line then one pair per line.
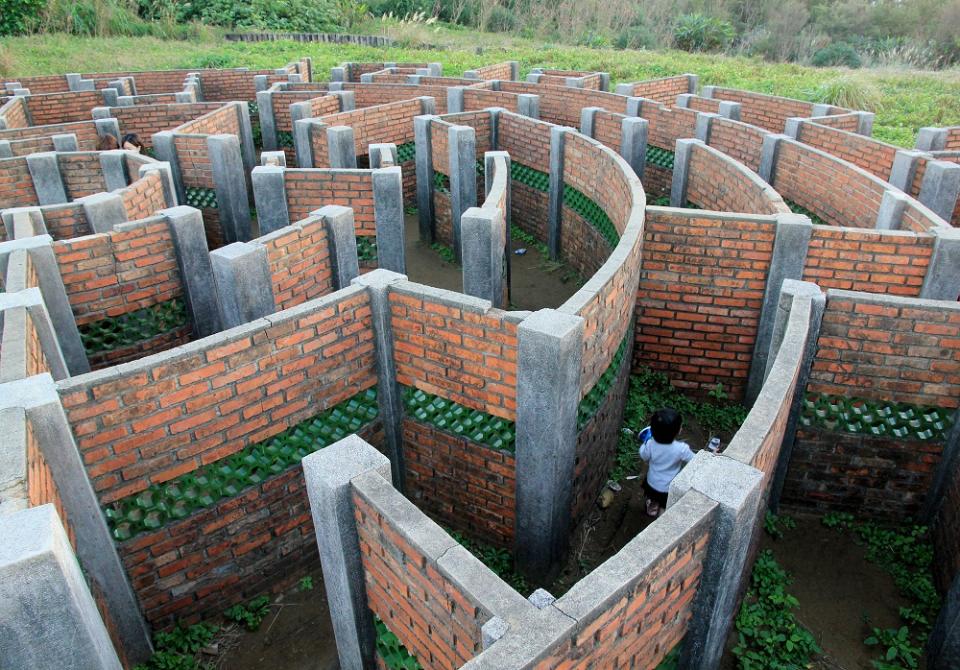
x,y
182,97
388,216
166,150
230,182
73,81
549,352
943,274
821,109
462,145
413,79
111,97
51,619
422,130
166,178
327,474
587,117
633,143
247,150
6,151
683,100
604,81
865,123
892,207
270,196
768,156
65,142
573,82
703,124
103,211
196,271
471,74
558,136
904,169
789,257
366,78
347,99
624,89
113,165
534,78
455,99
738,490
490,162
342,239
273,158
932,139
244,287
341,150
379,283
268,123
17,304
681,171
47,182
260,82
792,292
304,130
940,188
428,104
729,110
635,106
943,648
528,104
383,154
96,549
125,101
483,241
692,81
108,126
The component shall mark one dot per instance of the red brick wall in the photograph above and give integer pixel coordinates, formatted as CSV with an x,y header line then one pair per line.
x,y
14,112
392,122
669,124
85,131
562,104
41,488
768,111
478,98
740,141
81,174
664,90
881,350
717,182
865,152
300,265
164,418
357,69
308,190
144,197
222,120
608,129
464,485
701,291
51,83
114,273
462,354
589,81
31,145
495,71
196,170
699,104
16,184
281,101
435,619
368,95
849,122
889,262
63,107
64,222
946,535
144,120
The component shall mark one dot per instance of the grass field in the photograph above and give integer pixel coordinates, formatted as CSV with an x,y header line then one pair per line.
x,y
903,100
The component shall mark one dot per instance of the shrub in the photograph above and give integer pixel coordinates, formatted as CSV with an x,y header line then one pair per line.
x,y
16,16
635,37
850,92
281,15
838,53
500,20
699,32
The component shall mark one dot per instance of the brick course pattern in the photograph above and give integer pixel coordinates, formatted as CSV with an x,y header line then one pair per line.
x,y
85,132
392,122
664,90
768,111
308,190
719,183
300,265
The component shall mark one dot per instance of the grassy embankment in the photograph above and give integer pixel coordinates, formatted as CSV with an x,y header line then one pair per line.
x,y
903,100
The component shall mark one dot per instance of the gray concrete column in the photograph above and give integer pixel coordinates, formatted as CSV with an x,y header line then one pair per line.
x,y
96,549
51,619
273,158
558,136
182,97
483,241
768,156
268,122
692,81
462,145
241,273
738,489
471,74
528,104
47,181
270,196
6,151
17,304
248,151
904,169
729,110
166,179
821,109
260,82
455,99
342,239
932,139
491,159
573,82
633,143
624,88
534,78
378,284
165,150
428,104
683,100
388,215
422,130
943,648
125,101
230,182
196,271
604,81
892,207
550,346
366,78
304,130
940,188
435,69
383,154
865,123
587,117
341,151
703,125
681,171
113,165
108,126
65,142
792,294
347,99
635,106
111,97
943,274
327,474
787,262
73,81
103,211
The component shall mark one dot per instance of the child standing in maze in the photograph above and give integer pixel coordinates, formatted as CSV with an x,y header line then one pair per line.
x,y
659,446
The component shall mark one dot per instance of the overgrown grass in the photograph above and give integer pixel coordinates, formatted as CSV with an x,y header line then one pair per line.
x,y
907,100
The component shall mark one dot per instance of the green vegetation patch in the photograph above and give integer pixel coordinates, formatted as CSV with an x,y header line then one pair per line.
x,y
284,138
500,561
441,182
528,176
201,198
395,656
162,503
366,248
598,394
876,418
661,158
800,209
592,214
254,109
406,152
133,327
452,417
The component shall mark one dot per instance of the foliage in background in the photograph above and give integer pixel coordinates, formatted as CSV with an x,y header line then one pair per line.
x,y
179,648
16,16
699,32
850,92
776,524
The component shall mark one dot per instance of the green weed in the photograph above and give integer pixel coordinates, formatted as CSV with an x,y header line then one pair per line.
x,y
250,615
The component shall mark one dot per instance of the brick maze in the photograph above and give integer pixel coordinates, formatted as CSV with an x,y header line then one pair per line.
x,y
215,374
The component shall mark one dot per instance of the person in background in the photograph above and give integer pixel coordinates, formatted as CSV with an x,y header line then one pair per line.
x,y
107,143
131,142
659,446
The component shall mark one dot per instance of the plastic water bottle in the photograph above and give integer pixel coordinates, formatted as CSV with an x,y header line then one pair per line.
x,y
714,444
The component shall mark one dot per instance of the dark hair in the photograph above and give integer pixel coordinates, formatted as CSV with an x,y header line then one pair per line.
x,y
132,139
107,143
665,425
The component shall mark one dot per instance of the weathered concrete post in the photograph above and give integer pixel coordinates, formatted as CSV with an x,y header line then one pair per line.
x,y
270,196
166,150
940,188
103,211
327,474
681,171
904,169
943,649
892,207
550,346
47,181
242,277
484,269
768,156
230,182
943,274
388,217
422,129
342,238
340,147
65,142
558,136
113,165
633,143
462,141
268,123
196,270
